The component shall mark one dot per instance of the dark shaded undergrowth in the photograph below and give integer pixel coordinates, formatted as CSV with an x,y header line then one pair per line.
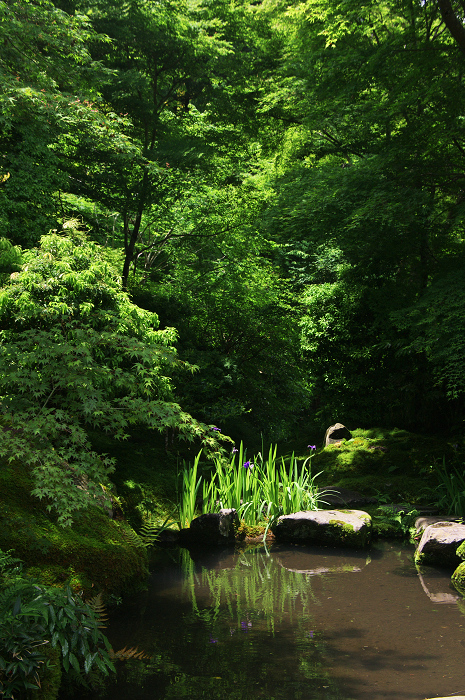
x,y
98,552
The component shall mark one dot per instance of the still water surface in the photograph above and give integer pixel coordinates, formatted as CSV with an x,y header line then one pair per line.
x,y
301,622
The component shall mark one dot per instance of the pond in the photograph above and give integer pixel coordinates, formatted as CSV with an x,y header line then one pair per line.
x,y
297,622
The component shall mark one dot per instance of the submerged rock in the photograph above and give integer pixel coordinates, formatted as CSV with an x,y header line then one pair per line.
x,y
211,528
439,543
348,528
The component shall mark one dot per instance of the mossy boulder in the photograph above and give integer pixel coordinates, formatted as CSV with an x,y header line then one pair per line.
x,y
393,463
347,528
461,551
458,578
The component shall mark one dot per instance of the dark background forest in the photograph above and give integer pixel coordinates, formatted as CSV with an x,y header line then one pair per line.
x,y
244,215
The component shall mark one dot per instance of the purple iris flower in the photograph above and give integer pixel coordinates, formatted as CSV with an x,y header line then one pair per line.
x,y
217,430
311,447
234,450
248,465
213,640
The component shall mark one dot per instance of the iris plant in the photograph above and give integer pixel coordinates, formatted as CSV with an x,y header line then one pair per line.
x,y
260,490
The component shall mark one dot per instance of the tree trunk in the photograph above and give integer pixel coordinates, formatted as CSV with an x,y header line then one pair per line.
x,y
453,23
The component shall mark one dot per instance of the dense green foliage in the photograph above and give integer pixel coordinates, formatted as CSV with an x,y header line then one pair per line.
x,y
33,616
77,353
218,219
281,184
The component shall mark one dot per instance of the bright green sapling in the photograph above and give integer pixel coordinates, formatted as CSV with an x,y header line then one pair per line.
x,y
76,353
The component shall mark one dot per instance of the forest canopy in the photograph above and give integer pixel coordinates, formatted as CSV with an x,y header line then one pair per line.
x,y
267,207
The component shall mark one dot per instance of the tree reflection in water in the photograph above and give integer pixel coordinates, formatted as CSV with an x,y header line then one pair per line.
x,y
236,625
309,623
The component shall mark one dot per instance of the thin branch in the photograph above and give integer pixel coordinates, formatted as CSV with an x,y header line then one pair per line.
x,y
461,149
48,398
207,272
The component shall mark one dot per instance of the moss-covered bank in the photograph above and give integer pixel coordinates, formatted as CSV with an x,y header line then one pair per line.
x,y
96,553
392,465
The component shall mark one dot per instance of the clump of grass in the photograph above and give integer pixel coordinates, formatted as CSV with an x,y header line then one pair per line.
x,y
187,499
259,490
451,489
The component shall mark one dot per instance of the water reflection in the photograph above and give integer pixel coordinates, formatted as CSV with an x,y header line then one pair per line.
x,y
302,623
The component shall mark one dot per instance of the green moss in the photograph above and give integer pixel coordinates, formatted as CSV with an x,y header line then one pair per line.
x,y
345,533
245,530
393,463
95,553
145,474
461,551
346,527
458,578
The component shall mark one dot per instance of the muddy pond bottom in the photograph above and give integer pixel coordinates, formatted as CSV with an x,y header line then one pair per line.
x,y
297,622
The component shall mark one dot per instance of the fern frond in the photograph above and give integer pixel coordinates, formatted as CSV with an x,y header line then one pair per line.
x,y
98,608
149,533
133,538
127,653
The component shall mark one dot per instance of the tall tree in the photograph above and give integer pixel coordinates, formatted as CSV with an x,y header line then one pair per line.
x,y
160,59
370,185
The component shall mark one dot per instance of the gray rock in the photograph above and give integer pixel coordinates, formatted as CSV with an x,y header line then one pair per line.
x,y
348,528
336,433
212,528
425,521
439,543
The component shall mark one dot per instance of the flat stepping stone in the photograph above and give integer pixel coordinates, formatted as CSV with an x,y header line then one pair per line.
x,y
424,521
439,543
336,528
